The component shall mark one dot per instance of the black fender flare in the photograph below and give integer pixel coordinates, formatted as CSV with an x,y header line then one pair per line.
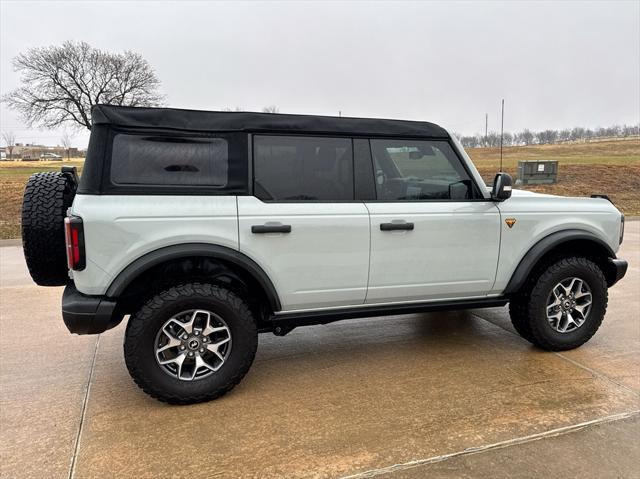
x,y
167,253
546,244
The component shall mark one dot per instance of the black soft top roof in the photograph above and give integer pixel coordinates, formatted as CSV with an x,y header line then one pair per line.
x,y
193,120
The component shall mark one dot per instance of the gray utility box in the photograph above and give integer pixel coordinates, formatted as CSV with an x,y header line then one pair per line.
x,y
532,172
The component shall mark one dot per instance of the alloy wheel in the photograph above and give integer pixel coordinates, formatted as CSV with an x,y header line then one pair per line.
x,y
568,305
193,344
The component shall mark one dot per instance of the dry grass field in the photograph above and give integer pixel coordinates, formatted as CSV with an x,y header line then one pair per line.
x,y
611,167
13,177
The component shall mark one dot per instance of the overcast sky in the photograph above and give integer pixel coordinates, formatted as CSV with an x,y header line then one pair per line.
x,y
556,64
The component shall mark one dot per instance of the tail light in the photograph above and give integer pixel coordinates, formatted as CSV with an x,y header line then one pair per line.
x,y
74,239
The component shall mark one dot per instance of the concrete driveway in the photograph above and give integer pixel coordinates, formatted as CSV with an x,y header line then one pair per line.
x,y
439,395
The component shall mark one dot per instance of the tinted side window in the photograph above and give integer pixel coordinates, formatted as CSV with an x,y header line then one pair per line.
x,y
175,161
419,170
302,168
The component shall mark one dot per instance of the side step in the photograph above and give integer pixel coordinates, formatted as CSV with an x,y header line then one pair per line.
x,y
283,323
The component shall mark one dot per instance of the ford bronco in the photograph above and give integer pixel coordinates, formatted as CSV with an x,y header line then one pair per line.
x,y
207,228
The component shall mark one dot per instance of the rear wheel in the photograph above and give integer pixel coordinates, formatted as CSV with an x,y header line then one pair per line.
x,y
46,199
190,343
564,307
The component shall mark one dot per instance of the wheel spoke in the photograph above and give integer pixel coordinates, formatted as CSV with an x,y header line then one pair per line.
x,y
214,349
201,363
221,342
180,364
556,302
173,342
580,309
574,286
583,294
210,329
177,322
556,316
558,292
173,338
178,360
553,311
188,326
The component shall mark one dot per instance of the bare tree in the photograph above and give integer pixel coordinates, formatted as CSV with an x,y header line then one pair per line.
x,y
547,137
492,139
271,109
60,84
565,134
632,130
470,141
66,143
526,137
9,138
577,133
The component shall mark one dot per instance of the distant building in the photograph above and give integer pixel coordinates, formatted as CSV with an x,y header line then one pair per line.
x,y
32,152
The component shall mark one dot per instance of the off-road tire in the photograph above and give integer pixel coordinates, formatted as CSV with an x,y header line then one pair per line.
x,y
518,309
144,325
528,309
44,207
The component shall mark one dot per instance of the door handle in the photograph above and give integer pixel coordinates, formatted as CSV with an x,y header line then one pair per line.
x,y
396,226
270,228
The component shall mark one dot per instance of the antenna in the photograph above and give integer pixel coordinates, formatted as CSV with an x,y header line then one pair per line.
x,y
486,127
501,134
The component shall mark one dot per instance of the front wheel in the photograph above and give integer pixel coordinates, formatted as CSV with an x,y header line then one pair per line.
x,y
191,343
564,307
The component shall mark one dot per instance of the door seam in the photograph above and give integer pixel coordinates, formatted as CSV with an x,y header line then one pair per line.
x,y
238,222
495,276
366,292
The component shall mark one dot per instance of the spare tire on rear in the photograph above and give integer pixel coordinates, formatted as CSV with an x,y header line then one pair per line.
x,y
46,199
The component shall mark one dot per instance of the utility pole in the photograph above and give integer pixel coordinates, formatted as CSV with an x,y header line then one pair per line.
x,y
501,133
486,127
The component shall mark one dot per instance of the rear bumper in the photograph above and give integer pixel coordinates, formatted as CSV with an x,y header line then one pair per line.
x,y
618,268
84,314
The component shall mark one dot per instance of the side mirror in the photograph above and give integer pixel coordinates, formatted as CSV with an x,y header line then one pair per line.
x,y
501,187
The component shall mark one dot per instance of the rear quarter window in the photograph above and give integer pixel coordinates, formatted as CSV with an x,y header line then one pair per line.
x,y
169,161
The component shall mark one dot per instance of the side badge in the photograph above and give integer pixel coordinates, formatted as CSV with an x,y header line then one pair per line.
x,y
510,222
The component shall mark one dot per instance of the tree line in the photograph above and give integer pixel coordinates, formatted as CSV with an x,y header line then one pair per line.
x,y
547,137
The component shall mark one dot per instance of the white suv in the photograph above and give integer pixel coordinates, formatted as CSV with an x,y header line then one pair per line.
x,y
208,228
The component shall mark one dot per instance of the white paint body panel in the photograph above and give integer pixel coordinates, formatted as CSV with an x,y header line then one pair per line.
x,y
538,216
323,262
451,253
120,229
